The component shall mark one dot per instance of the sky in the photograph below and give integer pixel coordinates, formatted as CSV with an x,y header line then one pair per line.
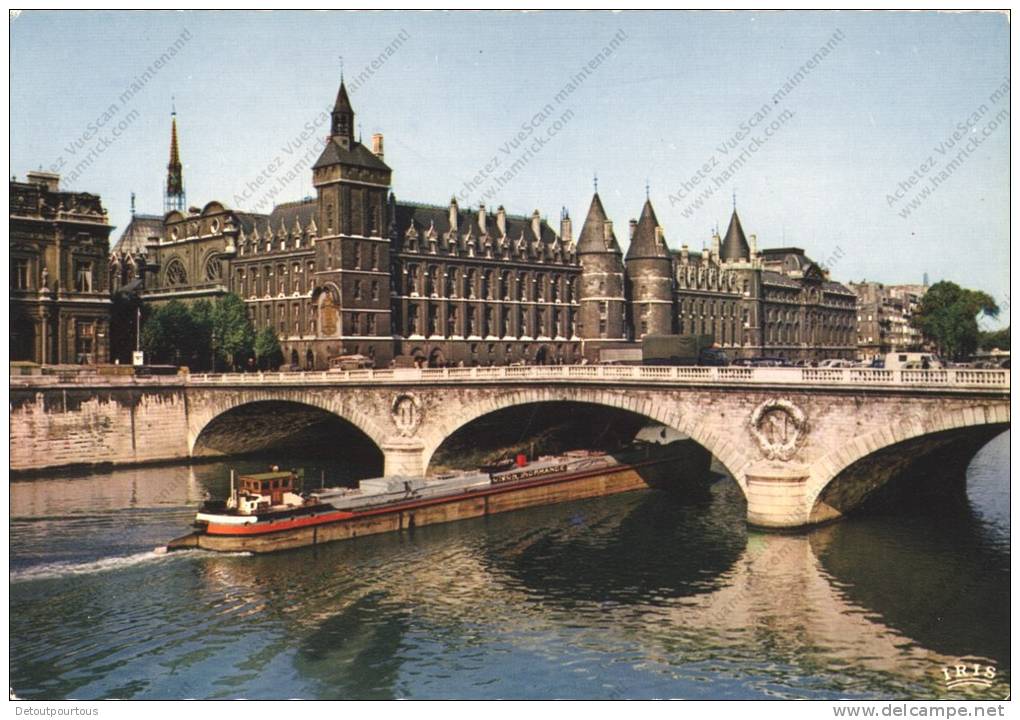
x,y
849,153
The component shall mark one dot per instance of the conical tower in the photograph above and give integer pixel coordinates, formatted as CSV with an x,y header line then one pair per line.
x,y
601,293
649,277
173,194
734,245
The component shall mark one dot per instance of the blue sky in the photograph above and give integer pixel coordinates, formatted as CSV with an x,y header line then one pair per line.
x,y
879,107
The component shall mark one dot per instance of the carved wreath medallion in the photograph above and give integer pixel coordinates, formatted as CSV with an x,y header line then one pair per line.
x,y
779,427
407,414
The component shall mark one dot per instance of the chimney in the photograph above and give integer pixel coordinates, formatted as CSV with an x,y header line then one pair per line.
x,y
704,254
50,181
377,145
481,220
633,228
501,221
716,241
536,224
566,228
754,246
684,251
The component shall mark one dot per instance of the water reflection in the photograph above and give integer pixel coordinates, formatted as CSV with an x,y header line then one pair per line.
x,y
651,594
955,550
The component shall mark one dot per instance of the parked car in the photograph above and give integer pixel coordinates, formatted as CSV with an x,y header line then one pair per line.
x,y
350,362
768,362
836,363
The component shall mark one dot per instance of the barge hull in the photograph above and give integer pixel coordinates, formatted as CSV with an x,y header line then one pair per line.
x,y
495,500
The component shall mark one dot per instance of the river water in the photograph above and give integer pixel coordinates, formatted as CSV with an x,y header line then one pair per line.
x,y
653,594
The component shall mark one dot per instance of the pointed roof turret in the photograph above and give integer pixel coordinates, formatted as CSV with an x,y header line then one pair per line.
x,y
343,102
597,232
343,118
734,246
648,241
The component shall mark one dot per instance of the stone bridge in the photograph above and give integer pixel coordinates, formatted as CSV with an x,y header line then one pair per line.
x,y
805,445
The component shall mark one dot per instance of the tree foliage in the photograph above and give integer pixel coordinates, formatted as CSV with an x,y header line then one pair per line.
x,y
996,339
203,335
947,318
268,354
233,338
168,333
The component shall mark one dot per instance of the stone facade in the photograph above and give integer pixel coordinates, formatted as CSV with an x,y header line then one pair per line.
x,y
60,290
883,318
355,271
775,303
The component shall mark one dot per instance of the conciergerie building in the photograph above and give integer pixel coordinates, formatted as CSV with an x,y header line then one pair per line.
x,y
354,270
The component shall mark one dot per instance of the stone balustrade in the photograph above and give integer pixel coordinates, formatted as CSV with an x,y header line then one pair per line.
x,y
947,379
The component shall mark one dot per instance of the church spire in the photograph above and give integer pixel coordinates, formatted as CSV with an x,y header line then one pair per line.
x,y
343,117
173,197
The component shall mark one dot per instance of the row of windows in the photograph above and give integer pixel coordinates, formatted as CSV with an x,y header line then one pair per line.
x,y
472,284
511,321
286,319
844,320
791,333
21,275
270,243
708,307
282,280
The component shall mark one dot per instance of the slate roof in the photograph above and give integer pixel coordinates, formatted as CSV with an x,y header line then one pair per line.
x,y
771,277
359,155
137,234
646,243
592,238
421,216
734,245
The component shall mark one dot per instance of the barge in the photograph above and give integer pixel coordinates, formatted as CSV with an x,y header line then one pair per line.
x,y
267,512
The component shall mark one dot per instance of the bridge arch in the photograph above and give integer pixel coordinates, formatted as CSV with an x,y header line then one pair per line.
x,y
732,457
338,405
843,478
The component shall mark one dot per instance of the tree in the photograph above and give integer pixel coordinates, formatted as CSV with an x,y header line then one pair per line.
x,y
202,313
267,349
232,337
996,339
947,318
203,335
168,334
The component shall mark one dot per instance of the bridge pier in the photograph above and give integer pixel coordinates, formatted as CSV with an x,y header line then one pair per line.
x,y
403,456
776,494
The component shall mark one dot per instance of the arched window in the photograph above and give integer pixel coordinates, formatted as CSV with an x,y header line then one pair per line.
x,y
213,268
175,273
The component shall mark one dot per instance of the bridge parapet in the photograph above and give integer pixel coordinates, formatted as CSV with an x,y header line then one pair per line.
x,y
938,380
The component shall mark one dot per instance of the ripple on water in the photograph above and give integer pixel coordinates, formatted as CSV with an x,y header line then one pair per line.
x,y
655,594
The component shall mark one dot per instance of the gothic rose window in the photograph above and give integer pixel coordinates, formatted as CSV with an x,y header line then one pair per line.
x,y
175,273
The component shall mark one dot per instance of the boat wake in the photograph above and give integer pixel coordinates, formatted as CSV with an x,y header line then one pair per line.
x,y
53,571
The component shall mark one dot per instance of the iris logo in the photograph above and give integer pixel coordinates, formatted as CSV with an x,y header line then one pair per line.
x,y
971,674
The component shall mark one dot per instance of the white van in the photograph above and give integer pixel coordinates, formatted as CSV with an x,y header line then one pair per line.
x,y
912,361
